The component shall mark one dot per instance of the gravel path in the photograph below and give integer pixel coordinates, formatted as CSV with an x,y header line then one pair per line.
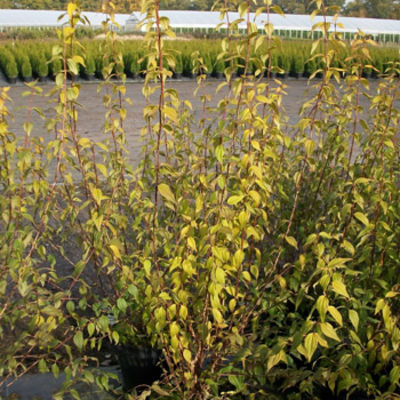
x,y
91,114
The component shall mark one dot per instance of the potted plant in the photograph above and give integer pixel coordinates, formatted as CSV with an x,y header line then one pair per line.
x,y
26,69
11,70
284,65
297,66
309,68
89,69
219,68
178,67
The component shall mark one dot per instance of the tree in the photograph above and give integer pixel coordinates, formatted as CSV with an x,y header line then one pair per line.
x,y
125,6
304,6
174,4
203,5
374,8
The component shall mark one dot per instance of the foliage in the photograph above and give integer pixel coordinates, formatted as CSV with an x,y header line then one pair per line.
x,y
41,33
291,56
261,257
373,8
306,6
8,63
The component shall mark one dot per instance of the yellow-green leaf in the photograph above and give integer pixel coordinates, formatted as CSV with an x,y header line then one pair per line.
x,y
292,241
336,315
187,355
310,345
166,192
354,318
340,288
329,331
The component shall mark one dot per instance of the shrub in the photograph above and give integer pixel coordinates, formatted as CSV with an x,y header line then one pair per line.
x,y
258,255
42,66
134,66
219,66
179,64
298,64
284,63
8,63
26,69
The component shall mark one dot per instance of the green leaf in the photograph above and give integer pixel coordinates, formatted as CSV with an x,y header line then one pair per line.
x,y
220,276
217,315
166,192
237,381
362,218
329,331
310,345
122,304
187,355
174,329
336,262
160,391
90,329
395,374
78,340
336,315
192,243
354,318
219,153
115,251
322,306
115,336
292,241
233,200
348,247
276,359
340,288
183,312
55,370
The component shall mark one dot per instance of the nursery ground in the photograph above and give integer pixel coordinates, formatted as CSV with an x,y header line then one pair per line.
x,y
91,114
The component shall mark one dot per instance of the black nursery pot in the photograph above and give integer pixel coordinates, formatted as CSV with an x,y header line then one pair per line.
x,y
219,75
139,366
190,75
177,75
12,80
89,77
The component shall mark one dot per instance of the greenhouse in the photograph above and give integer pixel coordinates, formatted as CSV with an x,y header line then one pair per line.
x,y
290,26
49,19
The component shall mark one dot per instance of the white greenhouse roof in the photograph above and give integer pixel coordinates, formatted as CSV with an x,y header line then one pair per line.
x,y
201,19
208,19
44,18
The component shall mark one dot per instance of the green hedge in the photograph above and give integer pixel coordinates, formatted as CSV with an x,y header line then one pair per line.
x,y
291,59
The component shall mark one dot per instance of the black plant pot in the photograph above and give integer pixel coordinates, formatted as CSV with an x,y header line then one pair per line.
x,y
282,76
367,74
375,75
296,75
190,75
140,366
132,75
177,75
219,75
27,78
99,75
12,80
88,77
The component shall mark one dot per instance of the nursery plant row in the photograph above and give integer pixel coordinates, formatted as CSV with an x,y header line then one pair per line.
x,y
34,60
